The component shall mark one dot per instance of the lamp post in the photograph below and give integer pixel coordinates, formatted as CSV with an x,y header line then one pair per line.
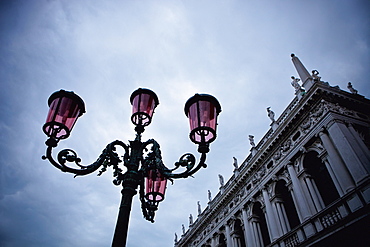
x,y
144,167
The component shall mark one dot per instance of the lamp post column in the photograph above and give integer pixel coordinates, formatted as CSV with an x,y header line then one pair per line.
x,y
120,233
130,182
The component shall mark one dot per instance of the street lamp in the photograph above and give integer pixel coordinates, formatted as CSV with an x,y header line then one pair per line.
x,y
143,161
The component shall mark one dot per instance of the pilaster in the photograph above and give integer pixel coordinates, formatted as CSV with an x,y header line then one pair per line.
x,y
345,143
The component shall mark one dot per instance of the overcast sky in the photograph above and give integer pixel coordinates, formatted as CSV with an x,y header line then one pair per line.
x,y
238,51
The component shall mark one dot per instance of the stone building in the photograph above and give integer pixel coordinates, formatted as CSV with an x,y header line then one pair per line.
x,y
306,183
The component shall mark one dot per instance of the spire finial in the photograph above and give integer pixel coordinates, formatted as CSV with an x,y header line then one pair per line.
x,y
303,73
301,69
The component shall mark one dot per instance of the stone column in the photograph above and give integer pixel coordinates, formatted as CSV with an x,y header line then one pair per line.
x,y
281,215
228,236
298,195
356,162
333,176
236,240
258,241
336,165
247,229
315,196
270,216
213,241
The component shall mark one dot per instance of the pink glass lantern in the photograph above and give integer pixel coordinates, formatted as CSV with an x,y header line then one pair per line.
x,y
202,111
65,108
155,186
143,102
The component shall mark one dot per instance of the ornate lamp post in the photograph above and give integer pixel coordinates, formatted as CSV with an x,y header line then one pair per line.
x,y
144,167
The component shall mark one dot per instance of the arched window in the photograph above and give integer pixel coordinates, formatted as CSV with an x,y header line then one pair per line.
x,y
261,230
319,173
221,241
287,209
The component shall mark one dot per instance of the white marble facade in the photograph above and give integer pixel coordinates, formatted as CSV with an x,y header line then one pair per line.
x,y
307,178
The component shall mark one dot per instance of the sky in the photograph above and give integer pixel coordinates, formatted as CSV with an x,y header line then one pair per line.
x,y
238,51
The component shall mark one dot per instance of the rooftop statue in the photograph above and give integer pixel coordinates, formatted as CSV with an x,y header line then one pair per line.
x,y
295,83
315,75
271,114
251,141
351,89
221,178
235,164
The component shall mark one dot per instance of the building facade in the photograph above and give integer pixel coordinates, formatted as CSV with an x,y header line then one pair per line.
x,y
306,183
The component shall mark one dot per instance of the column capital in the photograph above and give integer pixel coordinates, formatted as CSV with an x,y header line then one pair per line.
x,y
333,121
323,131
289,163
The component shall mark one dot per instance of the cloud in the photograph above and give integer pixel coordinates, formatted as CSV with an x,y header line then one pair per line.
x,y
237,51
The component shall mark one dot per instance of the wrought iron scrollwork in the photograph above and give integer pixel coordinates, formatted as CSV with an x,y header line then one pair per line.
x,y
139,158
68,155
148,208
187,161
153,159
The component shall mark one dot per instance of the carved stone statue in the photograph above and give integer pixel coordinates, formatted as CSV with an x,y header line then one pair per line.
x,y
251,141
190,219
209,195
175,237
315,75
235,164
271,114
183,229
199,208
351,89
295,83
221,178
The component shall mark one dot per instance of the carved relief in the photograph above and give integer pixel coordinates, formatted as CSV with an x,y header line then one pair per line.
x,y
282,150
260,200
285,174
236,198
317,146
242,193
277,155
320,110
269,188
286,145
297,166
226,211
248,208
258,175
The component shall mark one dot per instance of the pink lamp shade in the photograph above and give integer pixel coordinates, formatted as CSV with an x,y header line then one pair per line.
x,y
202,111
143,102
155,186
64,109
